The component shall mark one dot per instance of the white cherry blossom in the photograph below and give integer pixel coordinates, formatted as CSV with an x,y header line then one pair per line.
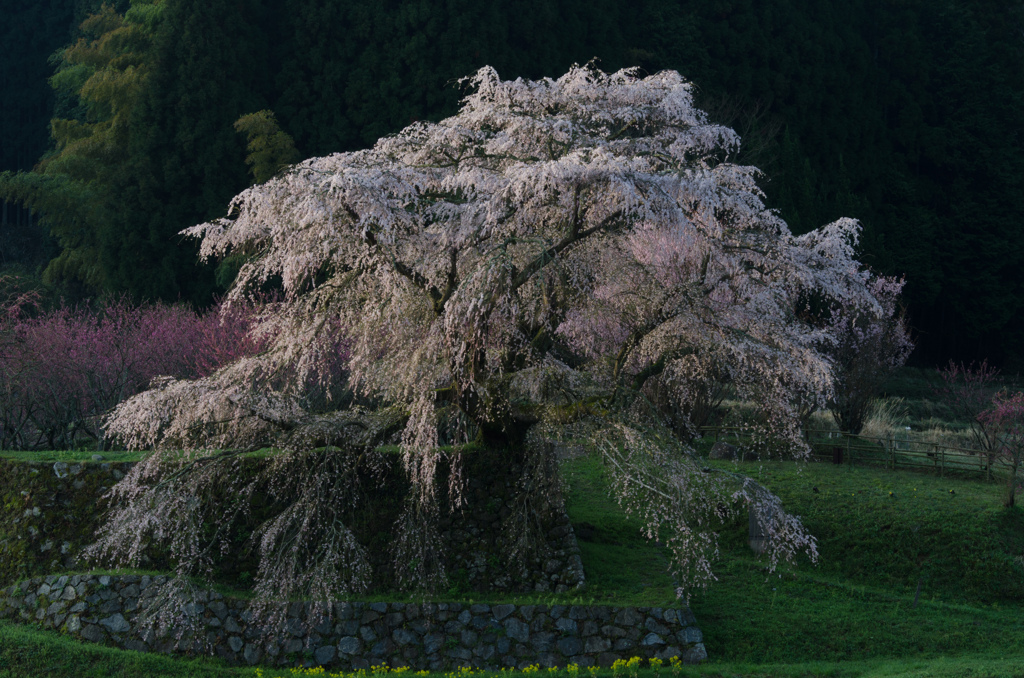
x,y
511,273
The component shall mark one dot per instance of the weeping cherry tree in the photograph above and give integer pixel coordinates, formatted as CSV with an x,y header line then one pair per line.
x,y
514,274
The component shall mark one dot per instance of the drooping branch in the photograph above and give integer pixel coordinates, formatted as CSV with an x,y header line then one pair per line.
x,y
666,259
637,336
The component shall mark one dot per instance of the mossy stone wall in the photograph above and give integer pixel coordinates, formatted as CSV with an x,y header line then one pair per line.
x,y
356,635
51,511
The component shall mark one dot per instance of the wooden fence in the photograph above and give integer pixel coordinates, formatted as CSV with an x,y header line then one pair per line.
x,y
892,453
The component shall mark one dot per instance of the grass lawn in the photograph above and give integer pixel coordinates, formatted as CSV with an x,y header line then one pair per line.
x,y
918,576
69,456
26,651
882,535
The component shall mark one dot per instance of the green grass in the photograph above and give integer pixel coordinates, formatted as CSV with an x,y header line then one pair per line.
x,y
853,614
759,618
28,652
881,535
875,548
893,529
913,383
85,455
920,388
974,666
621,566
69,456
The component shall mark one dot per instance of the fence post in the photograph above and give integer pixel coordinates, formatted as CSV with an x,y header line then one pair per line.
x,y
849,452
892,452
942,466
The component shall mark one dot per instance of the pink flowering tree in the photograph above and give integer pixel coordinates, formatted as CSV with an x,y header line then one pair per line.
x,y
968,391
511,274
63,369
1004,422
866,344
16,406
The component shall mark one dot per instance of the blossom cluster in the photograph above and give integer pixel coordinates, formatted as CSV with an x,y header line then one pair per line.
x,y
866,345
1004,420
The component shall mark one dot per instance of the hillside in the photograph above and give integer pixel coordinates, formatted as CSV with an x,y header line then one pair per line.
x,y
914,571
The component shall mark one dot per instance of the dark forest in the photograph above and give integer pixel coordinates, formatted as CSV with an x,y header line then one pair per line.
x,y
905,114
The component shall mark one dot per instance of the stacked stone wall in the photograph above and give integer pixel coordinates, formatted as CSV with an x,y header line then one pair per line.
x,y
49,512
111,609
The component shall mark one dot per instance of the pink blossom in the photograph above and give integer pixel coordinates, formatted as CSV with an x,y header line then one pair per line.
x,y
65,368
1004,421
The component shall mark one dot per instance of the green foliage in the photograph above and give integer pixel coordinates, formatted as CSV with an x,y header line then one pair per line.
x,y
352,72
902,114
30,33
209,67
269,148
77,186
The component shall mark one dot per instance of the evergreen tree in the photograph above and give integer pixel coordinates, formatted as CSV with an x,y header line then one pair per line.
x,y
905,115
270,149
76,188
30,33
209,67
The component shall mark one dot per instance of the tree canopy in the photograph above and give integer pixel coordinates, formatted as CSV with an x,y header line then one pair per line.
x,y
521,271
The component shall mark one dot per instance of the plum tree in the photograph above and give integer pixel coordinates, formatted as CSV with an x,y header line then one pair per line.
x,y
1004,421
61,369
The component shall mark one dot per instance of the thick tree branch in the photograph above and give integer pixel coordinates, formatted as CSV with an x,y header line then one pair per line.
x,y
451,284
636,336
416,278
548,255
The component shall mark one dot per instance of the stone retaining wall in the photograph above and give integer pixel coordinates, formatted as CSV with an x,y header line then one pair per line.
x,y
50,511
436,636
